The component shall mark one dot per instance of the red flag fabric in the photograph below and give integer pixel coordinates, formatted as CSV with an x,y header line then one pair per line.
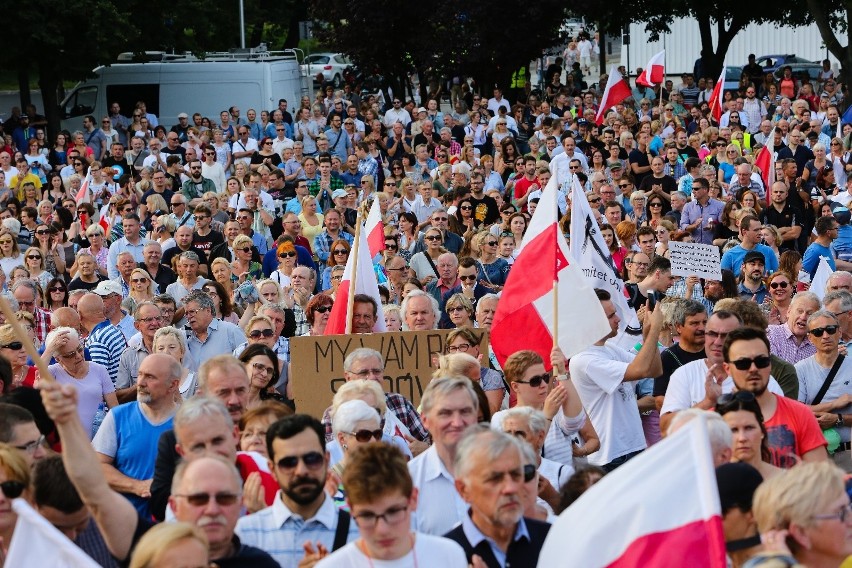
x,y
83,193
717,96
365,283
527,304
616,91
655,71
375,229
662,509
764,160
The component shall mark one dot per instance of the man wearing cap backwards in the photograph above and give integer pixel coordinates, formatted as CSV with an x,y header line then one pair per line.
x,y
104,341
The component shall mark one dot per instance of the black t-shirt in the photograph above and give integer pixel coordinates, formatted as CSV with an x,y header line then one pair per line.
x,y
688,152
790,216
164,277
667,182
166,195
639,158
208,241
485,210
77,284
673,358
175,251
179,151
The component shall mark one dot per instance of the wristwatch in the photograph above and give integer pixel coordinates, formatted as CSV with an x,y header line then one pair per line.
x,y
839,420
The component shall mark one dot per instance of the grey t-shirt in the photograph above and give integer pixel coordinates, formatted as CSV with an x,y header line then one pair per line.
x,y
812,376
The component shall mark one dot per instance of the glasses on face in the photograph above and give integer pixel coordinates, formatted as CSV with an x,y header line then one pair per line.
x,y
287,255
432,237
536,380
341,251
365,436
655,204
840,515
246,249
312,460
177,203
13,489
322,309
761,362
258,333
73,354
391,246
194,312
595,200
34,256
739,396
460,348
260,367
392,516
152,319
776,285
624,185
57,289
819,331
201,499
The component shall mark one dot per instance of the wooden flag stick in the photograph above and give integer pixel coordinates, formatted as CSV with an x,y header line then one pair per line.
x,y
43,371
353,276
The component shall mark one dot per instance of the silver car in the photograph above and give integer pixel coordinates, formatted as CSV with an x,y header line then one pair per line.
x,y
326,67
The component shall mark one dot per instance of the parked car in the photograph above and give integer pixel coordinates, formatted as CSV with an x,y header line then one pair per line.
x,y
772,63
811,71
732,77
326,67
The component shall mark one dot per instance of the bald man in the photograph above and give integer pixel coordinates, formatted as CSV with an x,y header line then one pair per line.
x,y
104,340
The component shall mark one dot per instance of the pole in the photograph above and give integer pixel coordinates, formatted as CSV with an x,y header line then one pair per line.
x,y
353,275
43,371
662,84
555,329
242,26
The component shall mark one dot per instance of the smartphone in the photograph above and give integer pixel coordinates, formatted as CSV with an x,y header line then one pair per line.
x,y
652,300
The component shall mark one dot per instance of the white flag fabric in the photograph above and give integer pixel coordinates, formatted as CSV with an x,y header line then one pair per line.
x,y
38,543
591,253
660,509
820,280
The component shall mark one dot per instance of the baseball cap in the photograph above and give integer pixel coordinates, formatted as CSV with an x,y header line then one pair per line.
x,y
421,109
615,165
753,256
108,288
339,193
842,215
582,122
737,483
183,115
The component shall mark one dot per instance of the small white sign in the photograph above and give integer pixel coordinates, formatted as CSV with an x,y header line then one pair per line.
x,y
695,259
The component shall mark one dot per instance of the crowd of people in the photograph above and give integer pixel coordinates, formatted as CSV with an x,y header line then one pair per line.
x,y
161,270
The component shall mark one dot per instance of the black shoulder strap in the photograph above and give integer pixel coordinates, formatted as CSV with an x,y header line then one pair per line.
x,y
432,264
339,134
342,530
824,388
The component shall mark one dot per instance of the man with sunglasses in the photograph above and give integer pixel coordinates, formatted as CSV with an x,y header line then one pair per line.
x,y
303,520
791,426
839,302
826,389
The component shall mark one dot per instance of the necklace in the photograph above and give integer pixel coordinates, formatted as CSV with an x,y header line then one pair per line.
x,y
363,548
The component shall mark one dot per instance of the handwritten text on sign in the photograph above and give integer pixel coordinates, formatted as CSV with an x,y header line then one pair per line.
x,y
695,259
316,364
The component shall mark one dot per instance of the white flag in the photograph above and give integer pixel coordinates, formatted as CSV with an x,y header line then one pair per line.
x,y
38,543
820,279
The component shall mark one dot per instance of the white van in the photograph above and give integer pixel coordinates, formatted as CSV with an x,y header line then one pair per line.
x,y
250,79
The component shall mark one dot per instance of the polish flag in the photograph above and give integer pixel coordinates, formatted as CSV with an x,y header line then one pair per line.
x,y
525,313
717,96
361,265
375,229
654,72
765,160
36,542
616,91
659,509
83,193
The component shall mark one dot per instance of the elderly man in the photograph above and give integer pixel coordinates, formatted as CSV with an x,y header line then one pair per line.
x,y
104,341
24,291
126,264
824,384
790,340
188,281
840,304
208,336
147,320
448,279
490,476
840,280
449,407
365,313
162,274
303,280
18,429
401,418
127,439
131,241
439,219
302,515
120,524
420,311
744,181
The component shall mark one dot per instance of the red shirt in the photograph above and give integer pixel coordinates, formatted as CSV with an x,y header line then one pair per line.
x,y
522,186
793,431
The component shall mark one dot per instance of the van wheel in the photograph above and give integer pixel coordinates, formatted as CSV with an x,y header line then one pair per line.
x,y
337,81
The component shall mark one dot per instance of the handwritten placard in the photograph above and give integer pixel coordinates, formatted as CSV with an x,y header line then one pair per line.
x,y
695,259
316,364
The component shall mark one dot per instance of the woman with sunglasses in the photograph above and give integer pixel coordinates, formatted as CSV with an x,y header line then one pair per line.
x,y
262,366
421,264
777,303
493,270
743,416
57,294
172,341
10,254
338,255
142,286
354,424
460,311
653,211
12,349
664,231
243,267
287,259
264,155
15,480
35,266
222,304
317,313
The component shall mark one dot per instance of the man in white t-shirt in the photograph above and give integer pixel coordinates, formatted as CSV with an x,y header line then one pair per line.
x,y
600,374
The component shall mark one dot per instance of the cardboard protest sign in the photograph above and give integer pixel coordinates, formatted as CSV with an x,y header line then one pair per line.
x,y
316,364
695,259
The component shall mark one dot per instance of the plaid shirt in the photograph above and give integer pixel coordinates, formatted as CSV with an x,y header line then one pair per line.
x,y
42,323
322,243
335,183
784,344
301,318
403,410
455,149
369,167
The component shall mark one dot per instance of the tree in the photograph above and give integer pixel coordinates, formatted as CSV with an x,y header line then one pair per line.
x,y
831,16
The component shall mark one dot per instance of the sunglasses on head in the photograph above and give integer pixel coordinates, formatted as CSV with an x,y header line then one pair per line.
x,y
365,436
12,489
257,333
537,380
744,364
312,460
829,329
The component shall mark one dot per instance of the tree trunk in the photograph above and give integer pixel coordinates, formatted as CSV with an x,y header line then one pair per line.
x,y
24,86
602,49
49,81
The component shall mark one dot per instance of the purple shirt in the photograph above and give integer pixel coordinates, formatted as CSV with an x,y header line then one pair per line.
x,y
784,344
91,390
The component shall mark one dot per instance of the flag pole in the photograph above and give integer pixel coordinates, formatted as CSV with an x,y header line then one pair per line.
x,y
555,329
44,372
353,276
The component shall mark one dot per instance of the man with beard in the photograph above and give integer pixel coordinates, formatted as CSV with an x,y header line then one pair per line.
x,y
303,520
790,425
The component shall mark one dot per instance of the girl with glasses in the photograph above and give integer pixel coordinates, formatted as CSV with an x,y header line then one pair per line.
x,y
57,294
262,366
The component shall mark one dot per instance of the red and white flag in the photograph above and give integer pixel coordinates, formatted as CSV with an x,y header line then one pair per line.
x,y
659,509
525,313
765,160
717,96
36,542
83,195
655,71
616,91
375,229
365,283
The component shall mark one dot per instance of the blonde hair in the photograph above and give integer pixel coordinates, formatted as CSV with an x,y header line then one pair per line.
x,y
16,468
159,539
242,240
144,273
455,365
170,331
357,389
255,319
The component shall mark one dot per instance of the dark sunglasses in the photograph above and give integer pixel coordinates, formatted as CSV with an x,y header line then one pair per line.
x,y
469,277
12,489
287,255
42,232
57,289
365,436
829,329
322,309
312,460
537,380
201,499
341,251
390,246
255,334
761,362
432,237
776,285
15,345
739,396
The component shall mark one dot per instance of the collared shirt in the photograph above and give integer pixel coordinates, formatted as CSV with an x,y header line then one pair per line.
x,y
474,537
369,167
282,533
120,246
753,186
128,364
106,343
222,337
282,348
440,507
755,295
42,323
322,243
784,344
693,210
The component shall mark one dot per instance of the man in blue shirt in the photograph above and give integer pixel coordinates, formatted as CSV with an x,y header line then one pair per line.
x,y
826,229
750,227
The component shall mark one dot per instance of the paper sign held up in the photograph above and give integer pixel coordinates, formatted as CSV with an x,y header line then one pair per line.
x,y
695,259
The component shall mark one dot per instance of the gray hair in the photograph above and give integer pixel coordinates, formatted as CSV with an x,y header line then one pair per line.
x,y
356,389
199,297
442,386
481,439
173,332
806,296
28,284
272,306
198,407
842,295
73,334
718,430
71,294
680,194
164,299
180,472
139,307
835,275
88,254
436,309
189,255
361,353
823,314
312,274
348,414
535,419
686,308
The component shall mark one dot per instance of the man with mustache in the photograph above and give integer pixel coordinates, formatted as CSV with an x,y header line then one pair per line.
x,y
303,516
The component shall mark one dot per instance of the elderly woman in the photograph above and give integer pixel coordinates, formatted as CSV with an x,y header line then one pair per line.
x,y
255,423
317,313
261,365
220,270
15,481
393,317
98,248
12,349
354,424
172,341
91,380
171,544
460,311
243,267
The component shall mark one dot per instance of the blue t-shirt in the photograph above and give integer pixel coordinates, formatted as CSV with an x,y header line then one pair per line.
x,y
733,259
810,261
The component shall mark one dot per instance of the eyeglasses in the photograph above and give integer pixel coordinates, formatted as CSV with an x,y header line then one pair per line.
x,y
73,354
365,436
490,243
595,200
42,231
139,280
739,396
201,499
14,345
13,489
456,309
287,255
176,203
432,237
194,312
840,515
536,380
470,277
30,448
829,329
341,251
261,367
312,460
461,347
322,309
392,516
761,362
776,285
209,153
200,217
623,185
152,319
466,208
257,333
